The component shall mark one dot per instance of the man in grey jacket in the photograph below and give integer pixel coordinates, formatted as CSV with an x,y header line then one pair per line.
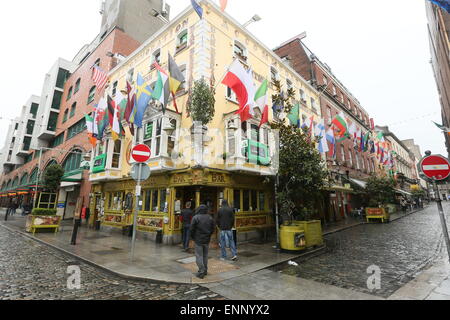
x,y
225,222
202,228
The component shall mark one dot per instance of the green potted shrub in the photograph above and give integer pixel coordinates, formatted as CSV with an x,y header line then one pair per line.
x,y
380,193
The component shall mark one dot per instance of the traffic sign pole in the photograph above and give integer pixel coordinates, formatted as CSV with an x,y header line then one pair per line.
x,y
138,194
442,216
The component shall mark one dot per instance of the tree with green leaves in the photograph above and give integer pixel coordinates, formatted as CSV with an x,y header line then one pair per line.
x,y
380,191
201,105
52,177
302,172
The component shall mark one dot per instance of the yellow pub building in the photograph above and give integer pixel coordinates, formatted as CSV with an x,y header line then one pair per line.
x,y
233,161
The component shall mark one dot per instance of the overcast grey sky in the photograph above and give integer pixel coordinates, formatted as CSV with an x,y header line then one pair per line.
x,y
378,49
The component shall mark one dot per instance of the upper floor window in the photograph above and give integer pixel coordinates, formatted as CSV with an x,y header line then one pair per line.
x,y
325,80
334,90
73,161
313,104
240,51
97,62
182,40
77,86
330,115
92,94
77,128
115,164
73,109
274,76
114,89
66,115
156,57
289,84
302,95
231,95
69,95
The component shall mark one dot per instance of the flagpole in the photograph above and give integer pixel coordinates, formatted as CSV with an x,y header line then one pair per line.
x,y
224,74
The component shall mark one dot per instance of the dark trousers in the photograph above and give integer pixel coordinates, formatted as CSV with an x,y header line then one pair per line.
x,y
201,256
186,235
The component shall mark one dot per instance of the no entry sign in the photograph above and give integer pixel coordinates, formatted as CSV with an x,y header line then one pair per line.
x,y
436,167
141,153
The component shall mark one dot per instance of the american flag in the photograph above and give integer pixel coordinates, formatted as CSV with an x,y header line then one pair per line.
x,y
99,77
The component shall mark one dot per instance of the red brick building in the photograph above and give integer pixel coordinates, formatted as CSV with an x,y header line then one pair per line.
x,y
349,166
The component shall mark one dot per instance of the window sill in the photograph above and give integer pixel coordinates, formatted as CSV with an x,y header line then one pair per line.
x,y
180,49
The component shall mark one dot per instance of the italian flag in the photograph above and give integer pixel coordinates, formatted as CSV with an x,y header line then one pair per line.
x,y
340,126
261,102
241,82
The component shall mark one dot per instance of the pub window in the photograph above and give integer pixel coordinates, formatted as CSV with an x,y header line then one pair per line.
x,y
162,200
116,154
254,201
231,142
147,200
237,200
117,201
158,137
246,198
155,201
262,201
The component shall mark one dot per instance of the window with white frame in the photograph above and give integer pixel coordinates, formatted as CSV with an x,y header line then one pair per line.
x,y
274,76
302,95
231,95
117,149
313,104
182,40
156,57
240,51
350,157
130,75
325,80
334,90
289,84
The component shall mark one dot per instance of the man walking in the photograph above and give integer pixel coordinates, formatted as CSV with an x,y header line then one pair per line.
x,y
186,216
225,222
202,228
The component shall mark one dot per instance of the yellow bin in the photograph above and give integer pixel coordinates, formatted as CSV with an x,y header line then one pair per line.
x,y
292,238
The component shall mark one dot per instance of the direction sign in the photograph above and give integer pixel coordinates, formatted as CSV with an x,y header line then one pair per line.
x,y
141,153
435,167
145,172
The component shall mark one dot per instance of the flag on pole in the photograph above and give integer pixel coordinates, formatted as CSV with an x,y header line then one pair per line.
x,y
294,116
102,118
90,130
197,8
332,142
261,102
366,141
161,92
115,125
99,77
241,82
444,129
444,4
223,5
321,133
340,126
143,96
131,98
176,78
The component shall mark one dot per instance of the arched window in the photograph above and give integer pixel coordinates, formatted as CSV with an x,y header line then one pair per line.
x,y
73,161
69,95
73,109
24,180
92,94
77,86
33,176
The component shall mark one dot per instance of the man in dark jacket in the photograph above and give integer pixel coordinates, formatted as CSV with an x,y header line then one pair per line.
x,y
202,228
186,216
225,222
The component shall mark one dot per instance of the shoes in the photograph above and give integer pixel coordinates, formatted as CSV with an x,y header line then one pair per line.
x,y
200,275
234,258
223,259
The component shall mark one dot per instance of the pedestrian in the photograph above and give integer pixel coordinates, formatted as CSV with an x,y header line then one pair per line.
x,y
13,208
202,228
225,222
88,215
186,217
403,204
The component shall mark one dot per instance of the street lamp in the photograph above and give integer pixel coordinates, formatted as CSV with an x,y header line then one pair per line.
x,y
255,18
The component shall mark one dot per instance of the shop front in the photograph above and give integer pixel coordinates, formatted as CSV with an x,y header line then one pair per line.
x,y
165,195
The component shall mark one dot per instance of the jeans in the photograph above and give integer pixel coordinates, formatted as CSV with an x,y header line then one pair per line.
x,y
227,241
201,256
186,235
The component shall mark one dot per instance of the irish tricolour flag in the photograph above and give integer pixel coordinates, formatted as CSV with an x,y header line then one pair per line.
x,y
241,82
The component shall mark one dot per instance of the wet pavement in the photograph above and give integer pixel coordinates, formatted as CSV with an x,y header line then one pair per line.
x,y
401,249
29,270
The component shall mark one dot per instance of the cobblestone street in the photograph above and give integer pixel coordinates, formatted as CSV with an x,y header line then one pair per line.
x,y
29,270
400,249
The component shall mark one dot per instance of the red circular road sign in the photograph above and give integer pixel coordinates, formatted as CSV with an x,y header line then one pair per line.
x,y
141,153
436,167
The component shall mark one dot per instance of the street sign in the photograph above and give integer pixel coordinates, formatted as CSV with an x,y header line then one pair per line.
x,y
435,167
141,153
145,172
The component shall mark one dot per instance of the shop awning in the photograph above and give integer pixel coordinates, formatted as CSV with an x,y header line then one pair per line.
x,y
360,183
403,192
66,184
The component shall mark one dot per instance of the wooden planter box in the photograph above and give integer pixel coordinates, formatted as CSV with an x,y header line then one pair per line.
x,y
42,222
378,214
313,232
